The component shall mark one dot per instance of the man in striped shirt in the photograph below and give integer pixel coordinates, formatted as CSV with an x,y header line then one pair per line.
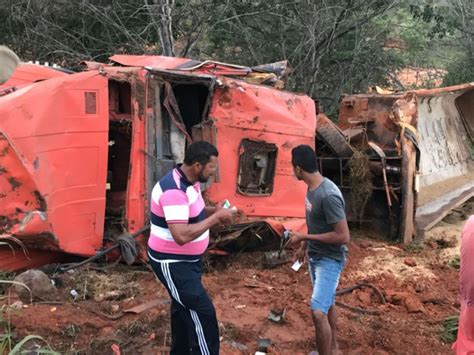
x,y
179,236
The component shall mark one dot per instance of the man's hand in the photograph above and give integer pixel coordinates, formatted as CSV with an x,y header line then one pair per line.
x,y
300,254
225,215
220,205
295,238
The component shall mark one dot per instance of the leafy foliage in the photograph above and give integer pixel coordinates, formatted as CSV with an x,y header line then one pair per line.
x,y
334,47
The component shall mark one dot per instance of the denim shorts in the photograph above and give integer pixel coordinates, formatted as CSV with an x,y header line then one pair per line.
x,y
324,273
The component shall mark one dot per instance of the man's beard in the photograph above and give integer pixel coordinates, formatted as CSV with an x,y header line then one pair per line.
x,y
202,178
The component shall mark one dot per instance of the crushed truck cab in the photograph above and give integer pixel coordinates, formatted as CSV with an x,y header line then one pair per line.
x,y
80,153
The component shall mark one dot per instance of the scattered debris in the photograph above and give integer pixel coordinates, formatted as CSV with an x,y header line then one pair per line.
x,y
100,287
236,345
263,345
74,294
445,243
258,284
277,315
112,311
146,306
272,259
410,262
296,265
17,305
110,296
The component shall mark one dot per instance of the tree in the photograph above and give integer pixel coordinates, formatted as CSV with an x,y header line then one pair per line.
x,y
334,46
452,22
160,14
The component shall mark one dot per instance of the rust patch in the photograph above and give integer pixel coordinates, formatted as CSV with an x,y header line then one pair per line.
x,y
36,164
2,170
3,152
7,223
289,104
255,119
140,97
286,146
40,200
225,99
14,183
3,222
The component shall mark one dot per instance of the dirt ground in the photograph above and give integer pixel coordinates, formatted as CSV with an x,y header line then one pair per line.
x,y
419,287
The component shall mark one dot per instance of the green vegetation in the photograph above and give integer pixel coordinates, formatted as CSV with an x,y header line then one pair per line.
x,y
343,46
450,329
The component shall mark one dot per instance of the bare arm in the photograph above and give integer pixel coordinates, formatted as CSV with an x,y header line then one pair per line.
x,y
210,210
339,235
301,252
185,233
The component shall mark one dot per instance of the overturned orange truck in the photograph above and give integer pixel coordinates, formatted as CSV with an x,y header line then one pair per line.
x,y
80,153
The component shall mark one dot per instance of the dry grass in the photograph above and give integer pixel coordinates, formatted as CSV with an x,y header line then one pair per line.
x,y
361,182
92,285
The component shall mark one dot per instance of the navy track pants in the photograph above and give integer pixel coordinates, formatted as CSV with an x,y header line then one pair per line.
x,y
194,328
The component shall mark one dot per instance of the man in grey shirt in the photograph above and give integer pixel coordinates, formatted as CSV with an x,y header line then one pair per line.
x,y
325,244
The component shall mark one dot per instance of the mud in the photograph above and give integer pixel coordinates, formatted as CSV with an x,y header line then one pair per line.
x,y
418,298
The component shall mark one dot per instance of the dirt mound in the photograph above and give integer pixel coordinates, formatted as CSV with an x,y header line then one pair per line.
x,y
417,298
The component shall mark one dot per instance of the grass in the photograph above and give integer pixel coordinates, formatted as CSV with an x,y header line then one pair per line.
x,y
11,242
450,329
29,338
5,276
30,343
414,248
455,262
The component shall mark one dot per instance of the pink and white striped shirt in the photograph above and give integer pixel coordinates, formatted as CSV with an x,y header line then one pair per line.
x,y
176,200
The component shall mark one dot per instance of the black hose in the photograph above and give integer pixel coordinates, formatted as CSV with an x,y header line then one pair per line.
x,y
121,242
357,309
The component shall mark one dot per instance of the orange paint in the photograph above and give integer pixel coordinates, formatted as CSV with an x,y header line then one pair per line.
x,y
55,146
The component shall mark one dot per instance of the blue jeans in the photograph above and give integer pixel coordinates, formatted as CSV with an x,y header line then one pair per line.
x,y
324,273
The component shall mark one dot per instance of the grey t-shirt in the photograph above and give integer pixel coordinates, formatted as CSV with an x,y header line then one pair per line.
x,y
325,206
